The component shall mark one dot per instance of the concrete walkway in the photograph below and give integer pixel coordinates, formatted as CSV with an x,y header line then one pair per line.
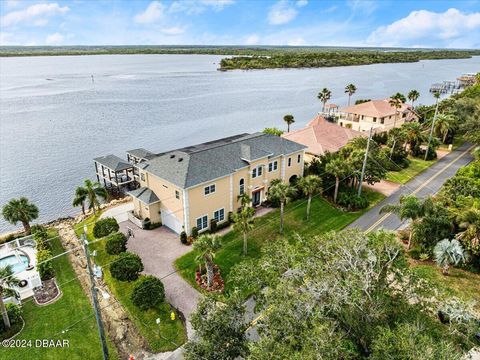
x,y
158,249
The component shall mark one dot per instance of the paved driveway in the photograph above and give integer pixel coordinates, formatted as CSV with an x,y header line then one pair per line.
x,y
158,249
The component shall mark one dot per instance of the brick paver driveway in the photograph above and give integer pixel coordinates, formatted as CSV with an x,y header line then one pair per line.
x,y
158,249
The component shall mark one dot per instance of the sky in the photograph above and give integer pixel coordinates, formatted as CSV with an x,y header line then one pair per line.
x,y
432,24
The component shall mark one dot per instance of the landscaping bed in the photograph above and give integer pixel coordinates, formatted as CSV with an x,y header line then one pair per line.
x,y
324,217
47,293
166,336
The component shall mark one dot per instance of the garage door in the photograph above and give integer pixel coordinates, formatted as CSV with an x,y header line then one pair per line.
x,y
169,220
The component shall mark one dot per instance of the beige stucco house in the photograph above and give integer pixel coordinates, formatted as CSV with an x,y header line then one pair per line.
x,y
187,187
378,114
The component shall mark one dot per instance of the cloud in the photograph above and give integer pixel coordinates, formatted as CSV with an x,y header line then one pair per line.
x,y
11,3
365,7
6,38
195,7
33,13
451,28
175,30
252,39
153,12
296,42
301,3
54,39
281,13
217,5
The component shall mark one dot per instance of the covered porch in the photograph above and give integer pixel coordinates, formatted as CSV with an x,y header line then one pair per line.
x,y
116,175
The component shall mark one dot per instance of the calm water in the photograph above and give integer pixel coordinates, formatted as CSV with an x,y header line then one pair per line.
x,y
54,119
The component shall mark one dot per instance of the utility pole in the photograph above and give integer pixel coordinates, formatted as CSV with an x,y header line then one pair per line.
x,y
437,96
101,330
364,162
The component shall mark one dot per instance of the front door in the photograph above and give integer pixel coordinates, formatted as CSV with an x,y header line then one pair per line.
x,y
256,198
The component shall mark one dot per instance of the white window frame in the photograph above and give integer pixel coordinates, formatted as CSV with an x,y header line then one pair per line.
x,y
218,211
241,187
289,161
177,194
209,187
299,158
142,176
201,219
273,166
257,171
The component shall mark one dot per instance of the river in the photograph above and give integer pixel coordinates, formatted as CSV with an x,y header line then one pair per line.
x,y
54,118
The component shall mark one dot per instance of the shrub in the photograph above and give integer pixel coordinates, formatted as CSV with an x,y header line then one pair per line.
x,y
14,313
44,264
40,235
352,201
116,243
213,225
105,227
127,267
183,238
415,252
194,232
223,225
230,216
148,293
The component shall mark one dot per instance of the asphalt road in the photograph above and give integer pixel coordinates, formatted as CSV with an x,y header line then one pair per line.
x,y
426,183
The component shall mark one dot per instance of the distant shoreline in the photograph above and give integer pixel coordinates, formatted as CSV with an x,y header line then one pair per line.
x,y
258,58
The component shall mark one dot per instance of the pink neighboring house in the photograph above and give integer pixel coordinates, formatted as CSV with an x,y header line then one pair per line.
x,y
321,136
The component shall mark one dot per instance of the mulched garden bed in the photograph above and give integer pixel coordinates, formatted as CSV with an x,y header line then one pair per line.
x,y
218,284
46,293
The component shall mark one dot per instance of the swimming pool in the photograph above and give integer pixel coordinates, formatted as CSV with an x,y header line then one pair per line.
x,y
16,265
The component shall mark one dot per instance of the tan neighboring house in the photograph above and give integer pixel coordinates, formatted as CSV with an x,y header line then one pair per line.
x,y
378,114
188,187
321,136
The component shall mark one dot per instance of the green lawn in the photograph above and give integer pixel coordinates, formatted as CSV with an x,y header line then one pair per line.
x,y
459,283
164,337
47,322
416,167
324,217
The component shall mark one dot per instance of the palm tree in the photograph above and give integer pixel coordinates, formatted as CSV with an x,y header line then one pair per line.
x,y
413,133
20,210
396,101
80,198
413,96
324,96
7,280
338,168
409,207
447,253
468,219
310,185
283,193
207,245
350,90
445,124
93,191
289,119
244,199
243,222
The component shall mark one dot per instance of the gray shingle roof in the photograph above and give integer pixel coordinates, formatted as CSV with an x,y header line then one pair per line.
x,y
113,162
194,165
145,195
141,153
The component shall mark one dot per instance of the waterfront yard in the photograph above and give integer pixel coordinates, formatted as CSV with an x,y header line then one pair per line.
x,y
71,318
324,217
166,336
416,167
